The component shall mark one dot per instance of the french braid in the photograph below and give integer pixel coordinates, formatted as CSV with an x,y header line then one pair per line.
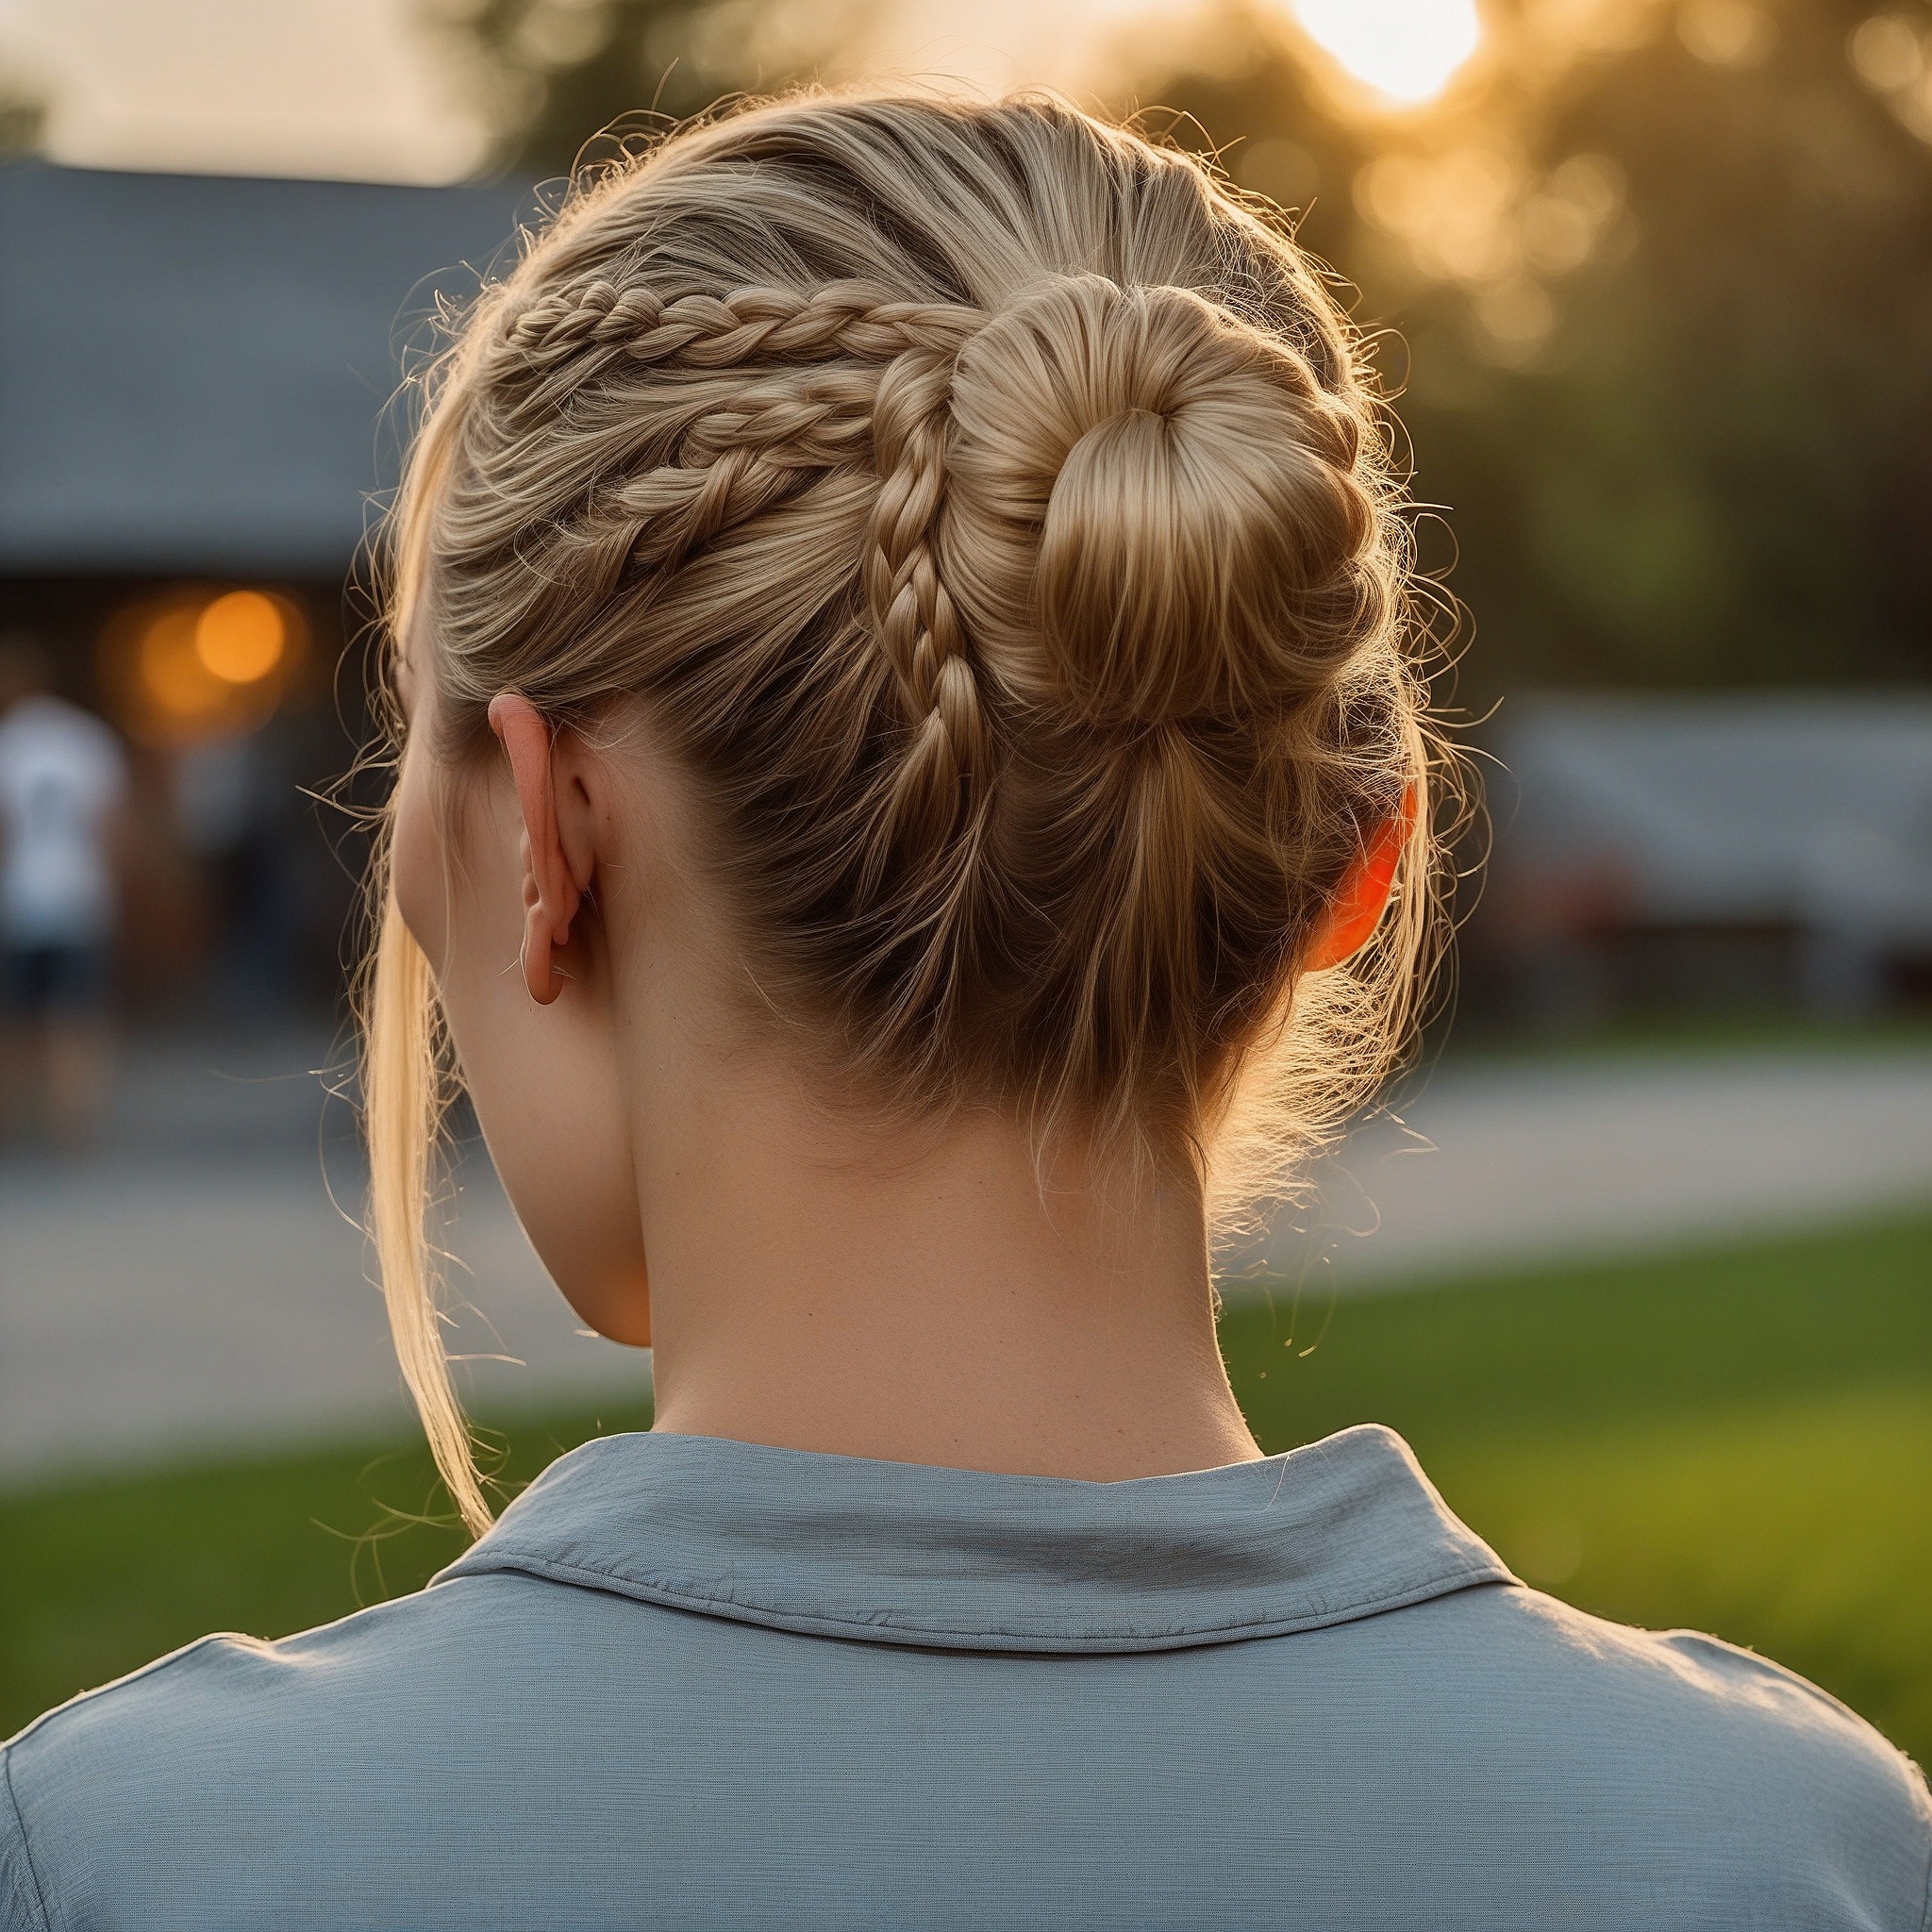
x,y
885,399
846,318
916,621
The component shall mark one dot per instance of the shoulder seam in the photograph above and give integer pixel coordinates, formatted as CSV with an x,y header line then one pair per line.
x,y
151,1669
27,1850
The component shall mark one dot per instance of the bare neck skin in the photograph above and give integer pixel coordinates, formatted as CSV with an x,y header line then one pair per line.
x,y
806,1278
824,1289
820,1283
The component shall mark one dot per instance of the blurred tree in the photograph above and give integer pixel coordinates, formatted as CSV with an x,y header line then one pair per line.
x,y
1772,333
1669,321
554,75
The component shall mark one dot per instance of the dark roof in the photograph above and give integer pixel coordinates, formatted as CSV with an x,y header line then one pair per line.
x,y
192,368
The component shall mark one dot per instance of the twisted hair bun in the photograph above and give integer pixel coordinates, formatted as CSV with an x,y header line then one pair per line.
x,y
1166,498
989,514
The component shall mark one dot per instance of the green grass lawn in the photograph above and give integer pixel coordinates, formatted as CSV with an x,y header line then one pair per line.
x,y
1738,1442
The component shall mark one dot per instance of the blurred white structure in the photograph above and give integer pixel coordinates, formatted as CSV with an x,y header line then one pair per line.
x,y
1803,820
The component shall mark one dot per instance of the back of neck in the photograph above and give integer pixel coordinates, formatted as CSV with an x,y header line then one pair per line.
x,y
930,1302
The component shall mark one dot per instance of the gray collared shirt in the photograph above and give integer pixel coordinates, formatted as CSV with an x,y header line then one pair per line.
x,y
693,1682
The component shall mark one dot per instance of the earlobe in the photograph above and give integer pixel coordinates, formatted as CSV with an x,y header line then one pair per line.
x,y
550,891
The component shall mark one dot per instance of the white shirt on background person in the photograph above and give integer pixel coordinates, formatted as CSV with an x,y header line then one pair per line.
x,y
62,775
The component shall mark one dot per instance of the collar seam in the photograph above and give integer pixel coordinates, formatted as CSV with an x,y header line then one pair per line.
x,y
1439,1583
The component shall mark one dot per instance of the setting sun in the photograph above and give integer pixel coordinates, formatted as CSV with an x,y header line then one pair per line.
x,y
1407,50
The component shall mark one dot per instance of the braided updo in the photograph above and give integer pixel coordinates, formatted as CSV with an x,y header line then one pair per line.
x,y
992,516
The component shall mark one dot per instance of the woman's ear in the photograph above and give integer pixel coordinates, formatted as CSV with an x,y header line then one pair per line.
x,y
1357,905
551,890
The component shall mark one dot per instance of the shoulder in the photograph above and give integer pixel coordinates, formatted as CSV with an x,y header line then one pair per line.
x,y
232,1687
1599,1773
108,1799
1712,1755
1691,1679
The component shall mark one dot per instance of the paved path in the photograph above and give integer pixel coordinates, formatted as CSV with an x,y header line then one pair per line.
x,y
1507,1165
192,1286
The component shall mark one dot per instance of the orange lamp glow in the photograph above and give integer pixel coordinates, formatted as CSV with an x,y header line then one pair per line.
x,y
172,676
196,663
241,637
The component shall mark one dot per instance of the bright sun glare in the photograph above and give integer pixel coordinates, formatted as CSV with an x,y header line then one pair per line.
x,y
1407,49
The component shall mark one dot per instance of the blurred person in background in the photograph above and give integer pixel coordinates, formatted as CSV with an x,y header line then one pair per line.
x,y
231,800
63,786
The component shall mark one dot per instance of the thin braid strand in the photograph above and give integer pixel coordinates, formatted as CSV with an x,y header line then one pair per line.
x,y
949,762
723,331
759,449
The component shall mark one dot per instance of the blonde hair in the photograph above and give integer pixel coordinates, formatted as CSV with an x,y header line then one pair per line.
x,y
995,516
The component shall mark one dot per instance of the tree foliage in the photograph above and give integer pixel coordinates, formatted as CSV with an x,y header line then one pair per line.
x,y
1715,467
555,75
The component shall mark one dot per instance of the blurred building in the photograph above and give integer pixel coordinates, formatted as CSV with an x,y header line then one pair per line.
x,y
192,367
193,376
1733,850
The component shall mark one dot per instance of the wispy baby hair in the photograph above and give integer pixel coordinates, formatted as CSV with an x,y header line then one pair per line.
x,y
994,517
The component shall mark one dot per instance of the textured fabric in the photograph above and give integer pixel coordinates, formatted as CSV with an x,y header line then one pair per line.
x,y
689,1682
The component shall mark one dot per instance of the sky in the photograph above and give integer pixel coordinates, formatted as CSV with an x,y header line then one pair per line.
x,y
350,89
341,87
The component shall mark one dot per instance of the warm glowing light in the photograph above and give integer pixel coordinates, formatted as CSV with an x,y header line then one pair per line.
x,y
195,665
177,683
241,637
1726,33
1887,53
1406,49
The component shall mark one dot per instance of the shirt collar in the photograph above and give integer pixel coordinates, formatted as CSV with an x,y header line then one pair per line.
x,y
899,1553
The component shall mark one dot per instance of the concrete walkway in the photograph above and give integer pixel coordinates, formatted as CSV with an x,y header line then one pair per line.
x,y
1510,1165
193,1287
